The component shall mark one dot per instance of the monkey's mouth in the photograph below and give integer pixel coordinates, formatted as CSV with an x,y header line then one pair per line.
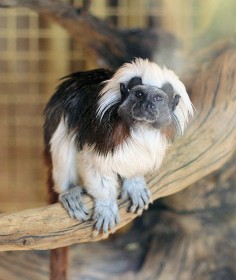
x,y
141,114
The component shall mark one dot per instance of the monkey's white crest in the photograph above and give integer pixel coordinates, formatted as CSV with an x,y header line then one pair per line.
x,y
151,74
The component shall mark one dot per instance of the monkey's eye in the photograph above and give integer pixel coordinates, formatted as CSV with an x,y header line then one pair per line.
x,y
139,93
157,98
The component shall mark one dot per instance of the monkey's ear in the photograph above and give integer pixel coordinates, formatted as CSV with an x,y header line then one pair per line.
x,y
124,91
175,101
134,82
168,89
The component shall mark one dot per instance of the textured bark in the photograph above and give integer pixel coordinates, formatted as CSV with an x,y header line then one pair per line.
x,y
208,144
189,235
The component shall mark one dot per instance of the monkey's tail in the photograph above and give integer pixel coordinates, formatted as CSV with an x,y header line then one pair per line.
x,y
58,257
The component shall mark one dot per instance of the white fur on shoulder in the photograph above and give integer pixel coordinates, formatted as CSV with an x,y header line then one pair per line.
x,y
151,74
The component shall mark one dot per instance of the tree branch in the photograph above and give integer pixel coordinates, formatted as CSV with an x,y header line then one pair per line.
x,y
110,46
207,145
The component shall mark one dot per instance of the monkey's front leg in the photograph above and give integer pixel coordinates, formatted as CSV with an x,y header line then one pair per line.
x,y
136,190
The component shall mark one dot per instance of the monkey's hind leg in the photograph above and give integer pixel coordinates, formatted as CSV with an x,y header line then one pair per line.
x,y
72,201
65,172
106,215
136,190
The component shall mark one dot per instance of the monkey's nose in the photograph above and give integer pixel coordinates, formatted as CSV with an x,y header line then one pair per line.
x,y
150,105
147,105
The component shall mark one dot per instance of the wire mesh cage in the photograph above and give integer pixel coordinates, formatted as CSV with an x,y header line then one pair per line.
x,y
35,53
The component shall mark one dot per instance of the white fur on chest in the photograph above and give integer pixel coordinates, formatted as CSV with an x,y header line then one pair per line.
x,y
140,154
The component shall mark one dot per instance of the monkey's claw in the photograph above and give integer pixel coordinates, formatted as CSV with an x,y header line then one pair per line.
x,y
136,190
72,201
106,215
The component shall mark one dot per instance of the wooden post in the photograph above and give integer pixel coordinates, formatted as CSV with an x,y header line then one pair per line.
x,y
59,263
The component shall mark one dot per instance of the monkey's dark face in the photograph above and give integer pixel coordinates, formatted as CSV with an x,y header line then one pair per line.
x,y
148,104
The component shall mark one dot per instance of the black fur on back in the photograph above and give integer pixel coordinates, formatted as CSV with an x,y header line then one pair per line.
x,y
76,99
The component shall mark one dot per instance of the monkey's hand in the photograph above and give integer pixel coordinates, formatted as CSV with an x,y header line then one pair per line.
x,y
136,190
106,215
72,201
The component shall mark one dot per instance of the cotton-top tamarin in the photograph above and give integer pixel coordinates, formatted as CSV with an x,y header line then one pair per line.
x,y
110,129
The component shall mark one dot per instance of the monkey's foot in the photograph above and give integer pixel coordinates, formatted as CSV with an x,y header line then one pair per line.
x,y
72,201
136,190
106,215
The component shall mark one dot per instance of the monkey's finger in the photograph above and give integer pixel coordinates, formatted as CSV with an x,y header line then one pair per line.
x,y
96,216
140,211
79,201
134,200
74,208
95,233
149,194
133,208
146,196
124,195
80,214
145,199
105,235
83,208
141,203
117,219
66,205
69,205
112,223
79,208
98,223
105,225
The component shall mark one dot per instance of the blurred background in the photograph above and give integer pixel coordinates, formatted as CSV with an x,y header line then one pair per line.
x,y
36,52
